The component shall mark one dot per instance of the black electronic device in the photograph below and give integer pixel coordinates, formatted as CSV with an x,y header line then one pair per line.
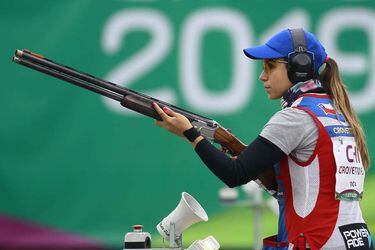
x,y
300,61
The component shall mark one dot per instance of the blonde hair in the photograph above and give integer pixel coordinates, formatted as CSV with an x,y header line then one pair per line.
x,y
336,89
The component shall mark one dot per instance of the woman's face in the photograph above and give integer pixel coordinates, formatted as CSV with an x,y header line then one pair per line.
x,y
275,78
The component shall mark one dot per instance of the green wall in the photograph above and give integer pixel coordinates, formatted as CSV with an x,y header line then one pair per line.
x,y
72,160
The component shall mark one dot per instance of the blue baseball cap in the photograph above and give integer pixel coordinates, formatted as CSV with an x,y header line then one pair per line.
x,y
281,45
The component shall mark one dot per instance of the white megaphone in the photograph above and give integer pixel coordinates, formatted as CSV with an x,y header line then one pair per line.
x,y
188,212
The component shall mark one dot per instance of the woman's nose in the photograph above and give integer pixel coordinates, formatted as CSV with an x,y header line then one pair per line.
x,y
263,76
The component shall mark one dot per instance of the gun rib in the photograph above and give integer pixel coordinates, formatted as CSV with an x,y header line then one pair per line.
x,y
68,78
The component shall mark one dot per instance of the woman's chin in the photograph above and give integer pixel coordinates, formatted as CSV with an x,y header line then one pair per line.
x,y
271,97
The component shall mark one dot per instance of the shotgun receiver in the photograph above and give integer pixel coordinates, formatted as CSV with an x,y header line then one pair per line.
x,y
140,103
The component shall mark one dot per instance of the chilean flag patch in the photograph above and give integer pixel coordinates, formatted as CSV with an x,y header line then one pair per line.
x,y
327,108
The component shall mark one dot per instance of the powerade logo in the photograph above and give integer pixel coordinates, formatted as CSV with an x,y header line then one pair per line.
x,y
356,236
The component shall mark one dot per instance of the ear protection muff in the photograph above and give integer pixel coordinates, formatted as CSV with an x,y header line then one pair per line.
x,y
300,61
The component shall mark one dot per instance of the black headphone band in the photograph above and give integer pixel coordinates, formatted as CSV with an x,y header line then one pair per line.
x,y
299,40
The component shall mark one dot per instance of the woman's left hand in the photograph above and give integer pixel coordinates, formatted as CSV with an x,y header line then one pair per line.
x,y
172,121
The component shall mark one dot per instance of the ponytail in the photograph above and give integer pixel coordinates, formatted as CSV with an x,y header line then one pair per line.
x,y
336,89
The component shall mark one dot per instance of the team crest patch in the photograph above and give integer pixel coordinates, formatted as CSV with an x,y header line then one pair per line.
x,y
327,108
356,236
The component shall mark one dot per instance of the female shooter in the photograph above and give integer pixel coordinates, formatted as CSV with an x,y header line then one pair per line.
x,y
315,144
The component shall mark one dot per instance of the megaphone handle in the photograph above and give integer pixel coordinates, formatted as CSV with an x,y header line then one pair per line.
x,y
174,242
171,235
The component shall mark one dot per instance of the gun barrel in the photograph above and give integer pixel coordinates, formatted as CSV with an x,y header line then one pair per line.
x,y
106,88
68,78
19,53
72,72
16,59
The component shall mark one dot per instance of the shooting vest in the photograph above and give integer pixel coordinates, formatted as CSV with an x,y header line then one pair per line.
x,y
319,198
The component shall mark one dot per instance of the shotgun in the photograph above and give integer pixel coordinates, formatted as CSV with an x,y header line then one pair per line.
x,y
142,104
